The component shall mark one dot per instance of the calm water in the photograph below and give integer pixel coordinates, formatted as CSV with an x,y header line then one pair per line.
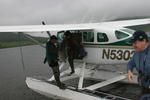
x,y
12,73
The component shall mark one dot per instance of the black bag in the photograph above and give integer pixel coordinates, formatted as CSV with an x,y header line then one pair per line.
x,y
142,79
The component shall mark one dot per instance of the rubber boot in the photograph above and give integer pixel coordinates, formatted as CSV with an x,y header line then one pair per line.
x,y
70,60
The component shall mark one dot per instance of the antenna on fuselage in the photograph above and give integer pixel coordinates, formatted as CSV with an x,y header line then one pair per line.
x,y
49,34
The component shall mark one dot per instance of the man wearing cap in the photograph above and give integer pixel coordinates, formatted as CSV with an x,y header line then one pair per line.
x,y
140,60
52,58
72,48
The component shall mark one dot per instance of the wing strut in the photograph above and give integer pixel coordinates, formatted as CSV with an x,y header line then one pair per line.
x,y
81,77
35,41
21,54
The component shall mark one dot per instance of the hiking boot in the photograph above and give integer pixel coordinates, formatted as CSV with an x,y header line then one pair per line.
x,y
62,86
72,72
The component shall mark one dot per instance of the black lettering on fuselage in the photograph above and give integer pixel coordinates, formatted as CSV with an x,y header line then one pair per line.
x,y
117,54
112,54
105,54
126,55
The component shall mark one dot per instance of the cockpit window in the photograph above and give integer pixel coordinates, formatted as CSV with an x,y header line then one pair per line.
x,y
88,36
102,37
128,30
120,34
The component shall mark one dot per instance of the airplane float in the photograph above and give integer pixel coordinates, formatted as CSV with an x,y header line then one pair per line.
x,y
105,43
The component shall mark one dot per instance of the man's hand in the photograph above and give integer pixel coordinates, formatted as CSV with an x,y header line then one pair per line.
x,y
130,76
45,60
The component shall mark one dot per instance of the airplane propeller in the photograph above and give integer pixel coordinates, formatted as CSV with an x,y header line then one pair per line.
x,y
49,34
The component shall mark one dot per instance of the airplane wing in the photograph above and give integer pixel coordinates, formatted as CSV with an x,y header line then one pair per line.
x,y
127,23
86,26
39,28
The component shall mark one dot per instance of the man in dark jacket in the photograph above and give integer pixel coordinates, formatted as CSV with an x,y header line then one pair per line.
x,y
72,48
52,58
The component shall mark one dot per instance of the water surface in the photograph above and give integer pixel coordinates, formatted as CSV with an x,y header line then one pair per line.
x,y
13,73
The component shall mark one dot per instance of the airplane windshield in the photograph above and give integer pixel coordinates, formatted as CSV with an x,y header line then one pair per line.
x,y
128,30
120,35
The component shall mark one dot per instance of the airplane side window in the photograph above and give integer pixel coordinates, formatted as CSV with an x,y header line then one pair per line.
x,y
60,36
102,37
120,35
88,36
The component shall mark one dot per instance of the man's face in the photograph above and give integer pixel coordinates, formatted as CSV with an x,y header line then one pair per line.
x,y
139,45
66,36
53,40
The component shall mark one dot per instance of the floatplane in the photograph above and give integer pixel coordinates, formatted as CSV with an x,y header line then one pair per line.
x,y
105,43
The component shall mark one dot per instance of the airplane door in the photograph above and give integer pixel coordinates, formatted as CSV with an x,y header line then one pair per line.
x,y
60,36
61,46
76,36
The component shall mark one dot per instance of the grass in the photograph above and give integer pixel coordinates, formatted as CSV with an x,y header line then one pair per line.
x,y
15,44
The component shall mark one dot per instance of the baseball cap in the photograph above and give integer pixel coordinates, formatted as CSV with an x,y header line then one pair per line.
x,y
138,36
67,33
53,37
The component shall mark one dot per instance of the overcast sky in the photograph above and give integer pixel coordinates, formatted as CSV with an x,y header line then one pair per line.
x,y
32,12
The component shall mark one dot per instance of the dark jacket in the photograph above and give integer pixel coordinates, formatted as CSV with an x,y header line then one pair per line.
x,y
141,61
51,52
72,47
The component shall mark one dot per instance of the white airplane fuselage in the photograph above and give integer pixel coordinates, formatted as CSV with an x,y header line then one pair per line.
x,y
106,45
101,54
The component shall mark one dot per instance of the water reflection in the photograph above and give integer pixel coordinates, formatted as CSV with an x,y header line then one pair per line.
x,y
12,75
